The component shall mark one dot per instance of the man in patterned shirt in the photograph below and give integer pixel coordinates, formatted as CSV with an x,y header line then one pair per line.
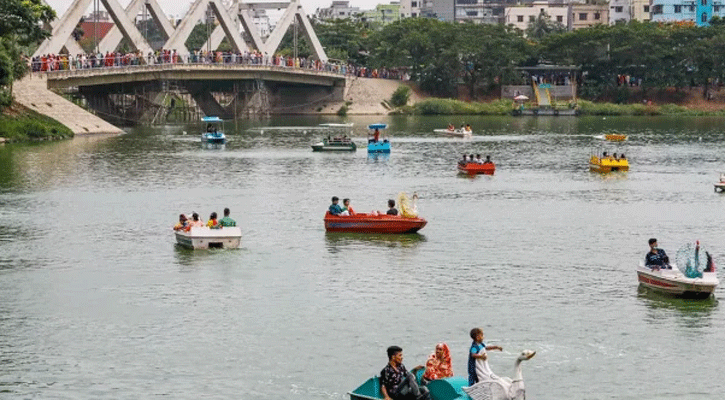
x,y
396,382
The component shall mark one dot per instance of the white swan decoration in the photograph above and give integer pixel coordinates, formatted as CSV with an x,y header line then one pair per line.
x,y
492,387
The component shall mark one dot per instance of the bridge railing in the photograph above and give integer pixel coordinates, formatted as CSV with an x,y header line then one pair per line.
x,y
76,66
130,69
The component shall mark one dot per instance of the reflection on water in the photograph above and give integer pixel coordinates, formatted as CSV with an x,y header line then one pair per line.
x,y
338,241
689,313
213,146
378,157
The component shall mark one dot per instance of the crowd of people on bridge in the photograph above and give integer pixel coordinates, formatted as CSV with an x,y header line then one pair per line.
x,y
65,62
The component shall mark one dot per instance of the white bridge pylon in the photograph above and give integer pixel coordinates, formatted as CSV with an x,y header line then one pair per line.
x,y
229,27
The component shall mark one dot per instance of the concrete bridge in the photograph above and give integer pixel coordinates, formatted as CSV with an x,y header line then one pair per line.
x,y
149,93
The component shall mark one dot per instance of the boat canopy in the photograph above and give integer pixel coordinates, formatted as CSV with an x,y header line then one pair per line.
x,y
211,119
377,126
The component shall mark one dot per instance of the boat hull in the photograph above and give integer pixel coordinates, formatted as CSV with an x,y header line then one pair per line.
x,y
204,238
368,223
455,133
673,282
475,168
334,147
720,186
605,165
213,138
379,147
615,137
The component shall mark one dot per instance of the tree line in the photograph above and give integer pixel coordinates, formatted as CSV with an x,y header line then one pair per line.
x,y
443,57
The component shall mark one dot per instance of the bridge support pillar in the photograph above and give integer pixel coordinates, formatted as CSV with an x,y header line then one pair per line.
x,y
206,102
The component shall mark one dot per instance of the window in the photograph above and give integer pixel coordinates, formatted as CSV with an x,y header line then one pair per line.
x,y
692,8
472,13
597,15
413,15
717,8
532,18
657,9
618,9
646,8
678,9
704,17
519,18
414,4
582,16
559,18
703,2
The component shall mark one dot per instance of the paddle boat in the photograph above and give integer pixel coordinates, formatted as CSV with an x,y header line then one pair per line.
x,y
603,163
203,238
461,133
375,145
615,137
337,125
335,143
720,185
692,276
373,223
214,130
473,168
440,389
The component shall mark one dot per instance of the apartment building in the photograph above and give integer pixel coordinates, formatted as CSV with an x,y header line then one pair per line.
x,y
522,16
699,12
586,15
410,8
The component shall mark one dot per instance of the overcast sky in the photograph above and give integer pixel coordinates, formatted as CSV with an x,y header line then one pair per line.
x,y
177,8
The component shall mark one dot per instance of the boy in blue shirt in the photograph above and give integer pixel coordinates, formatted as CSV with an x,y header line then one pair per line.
x,y
473,354
335,208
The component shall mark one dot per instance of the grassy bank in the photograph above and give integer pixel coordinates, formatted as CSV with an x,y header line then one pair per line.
x,y
436,106
18,124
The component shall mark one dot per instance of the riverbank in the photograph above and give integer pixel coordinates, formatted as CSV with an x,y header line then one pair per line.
x,y
437,106
19,123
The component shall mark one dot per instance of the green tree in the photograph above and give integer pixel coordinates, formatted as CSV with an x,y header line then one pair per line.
x,y
543,26
20,26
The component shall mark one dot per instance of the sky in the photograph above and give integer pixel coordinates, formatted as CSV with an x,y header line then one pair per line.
x,y
177,8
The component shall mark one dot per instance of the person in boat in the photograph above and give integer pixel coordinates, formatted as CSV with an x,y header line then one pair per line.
x,y
391,208
438,365
451,127
605,155
488,160
478,159
227,220
346,208
656,258
376,135
335,208
464,161
463,128
622,157
468,128
615,156
396,383
478,350
472,159
195,222
212,223
209,128
183,222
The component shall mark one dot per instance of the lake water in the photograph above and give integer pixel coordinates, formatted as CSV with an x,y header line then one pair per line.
x,y
97,302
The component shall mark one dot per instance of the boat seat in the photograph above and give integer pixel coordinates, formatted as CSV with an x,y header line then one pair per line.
x,y
448,388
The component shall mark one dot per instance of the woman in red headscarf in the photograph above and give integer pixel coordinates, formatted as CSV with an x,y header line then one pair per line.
x,y
439,364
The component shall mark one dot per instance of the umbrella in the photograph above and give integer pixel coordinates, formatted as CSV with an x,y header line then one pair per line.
x,y
521,97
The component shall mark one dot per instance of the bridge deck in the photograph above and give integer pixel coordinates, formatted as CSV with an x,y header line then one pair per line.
x,y
202,72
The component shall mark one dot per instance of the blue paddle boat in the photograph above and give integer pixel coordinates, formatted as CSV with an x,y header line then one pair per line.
x,y
214,132
375,145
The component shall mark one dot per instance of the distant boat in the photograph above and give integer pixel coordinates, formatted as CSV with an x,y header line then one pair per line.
x,y
720,185
378,146
335,125
338,143
214,130
603,163
456,132
615,137
476,168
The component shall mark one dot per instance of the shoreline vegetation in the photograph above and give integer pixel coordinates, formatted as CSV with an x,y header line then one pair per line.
x,y
440,106
20,124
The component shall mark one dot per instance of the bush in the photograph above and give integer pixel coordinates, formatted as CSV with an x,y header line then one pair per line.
x,y
401,96
342,111
24,124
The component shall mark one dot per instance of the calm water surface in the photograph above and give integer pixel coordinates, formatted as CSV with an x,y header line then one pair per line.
x,y
97,302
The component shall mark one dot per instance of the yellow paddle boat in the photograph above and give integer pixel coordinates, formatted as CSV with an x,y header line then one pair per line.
x,y
603,162
615,137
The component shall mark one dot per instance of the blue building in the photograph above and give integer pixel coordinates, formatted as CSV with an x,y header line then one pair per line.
x,y
699,12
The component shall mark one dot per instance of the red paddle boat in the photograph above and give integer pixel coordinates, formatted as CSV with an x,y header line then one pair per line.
x,y
476,168
369,223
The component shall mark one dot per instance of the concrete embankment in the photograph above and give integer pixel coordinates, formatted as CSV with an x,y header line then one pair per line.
x,y
32,92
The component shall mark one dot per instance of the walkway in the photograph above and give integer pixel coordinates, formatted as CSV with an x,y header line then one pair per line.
x,y
32,92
